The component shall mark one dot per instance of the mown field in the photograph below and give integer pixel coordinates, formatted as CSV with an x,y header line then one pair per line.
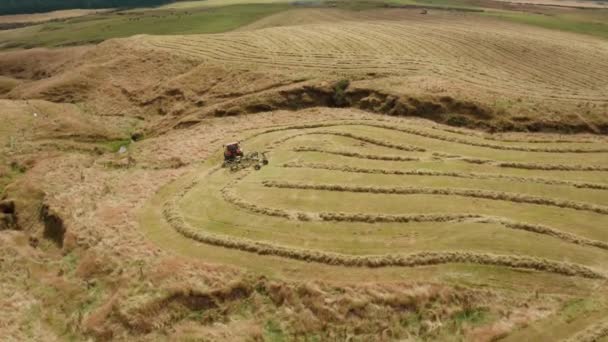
x,y
493,56
196,17
353,193
394,200
373,219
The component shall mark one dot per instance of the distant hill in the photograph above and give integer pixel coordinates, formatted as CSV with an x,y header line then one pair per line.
x,y
39,6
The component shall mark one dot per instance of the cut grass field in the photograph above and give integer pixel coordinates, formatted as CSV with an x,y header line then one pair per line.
x,y
349,218
314,215
198,17
492,58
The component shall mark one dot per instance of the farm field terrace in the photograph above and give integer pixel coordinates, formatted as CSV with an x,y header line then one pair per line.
x,y
385,199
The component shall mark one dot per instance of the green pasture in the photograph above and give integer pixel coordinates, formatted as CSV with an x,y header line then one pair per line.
x,y
97,28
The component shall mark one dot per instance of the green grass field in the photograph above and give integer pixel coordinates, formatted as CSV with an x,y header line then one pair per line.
x,y
93,29
241,217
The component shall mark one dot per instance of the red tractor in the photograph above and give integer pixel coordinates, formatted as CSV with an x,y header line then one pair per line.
x,y
232,151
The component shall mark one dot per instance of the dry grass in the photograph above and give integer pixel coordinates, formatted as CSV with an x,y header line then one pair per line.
x,y
385,46
591,334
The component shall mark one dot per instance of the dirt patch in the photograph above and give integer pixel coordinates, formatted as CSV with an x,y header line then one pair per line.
x,y
54,228
8,218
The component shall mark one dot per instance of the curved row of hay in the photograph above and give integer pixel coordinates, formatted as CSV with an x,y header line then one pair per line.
x,y
175,219
496,56
355,154
474,193
235,200
496,163
450,139
431,173
593,333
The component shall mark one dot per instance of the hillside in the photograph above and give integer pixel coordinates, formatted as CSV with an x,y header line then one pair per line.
x,y
432,175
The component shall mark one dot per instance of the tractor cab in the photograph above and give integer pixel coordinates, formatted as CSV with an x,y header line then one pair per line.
x,y
232,151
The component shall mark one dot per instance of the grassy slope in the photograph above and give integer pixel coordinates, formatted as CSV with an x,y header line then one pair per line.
x,y
101,27
585,21
215,16
591,22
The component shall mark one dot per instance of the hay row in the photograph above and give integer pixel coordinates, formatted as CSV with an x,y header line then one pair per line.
x,y
534,166
508,165
398,47
475,193
175,219
592,333
355,154
372,141
525,140
430,135
456,174
240,203
230,197
550,167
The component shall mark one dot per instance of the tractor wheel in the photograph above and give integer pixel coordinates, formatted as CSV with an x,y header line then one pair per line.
x,y
265,161
257,166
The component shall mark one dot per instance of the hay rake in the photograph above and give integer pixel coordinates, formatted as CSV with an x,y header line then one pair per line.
x,y
255,159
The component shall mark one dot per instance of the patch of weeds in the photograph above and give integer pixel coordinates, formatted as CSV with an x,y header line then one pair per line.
x,y
458,121
273,332
115,145
575,307
411,322
197,315
339,97
471,316
94,297
33,315
70,261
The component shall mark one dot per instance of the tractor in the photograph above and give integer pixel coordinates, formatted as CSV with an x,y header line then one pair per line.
x,y
235,159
